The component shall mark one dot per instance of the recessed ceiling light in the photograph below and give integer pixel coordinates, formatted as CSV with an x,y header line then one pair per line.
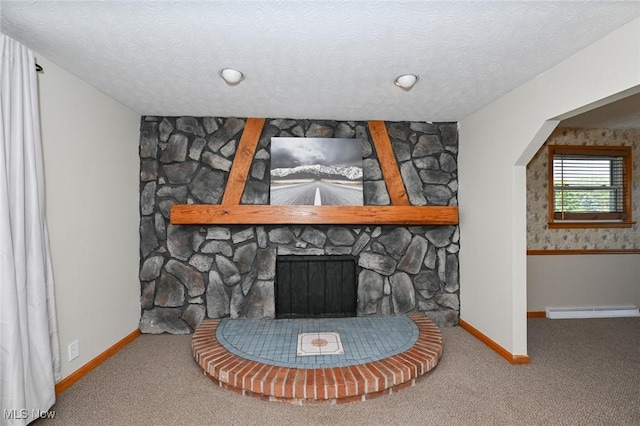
x,y
406,81
231,76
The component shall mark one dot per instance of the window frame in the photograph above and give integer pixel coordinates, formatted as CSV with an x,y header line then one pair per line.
x,y
594,220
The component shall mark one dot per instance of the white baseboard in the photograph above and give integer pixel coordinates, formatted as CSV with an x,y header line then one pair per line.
x,y
593,312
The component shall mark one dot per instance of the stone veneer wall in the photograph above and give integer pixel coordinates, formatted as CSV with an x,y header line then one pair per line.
x,y
190,272
539,236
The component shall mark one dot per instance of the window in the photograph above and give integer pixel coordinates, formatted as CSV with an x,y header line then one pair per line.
x,y
589,186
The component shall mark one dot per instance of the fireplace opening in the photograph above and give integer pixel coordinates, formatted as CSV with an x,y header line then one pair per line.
x,y
315,286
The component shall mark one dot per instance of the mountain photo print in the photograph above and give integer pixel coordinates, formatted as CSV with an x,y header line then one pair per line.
x,y
316,171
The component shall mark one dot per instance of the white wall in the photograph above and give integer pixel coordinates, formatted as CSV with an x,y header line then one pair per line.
x,y
90,145
583,280
496,143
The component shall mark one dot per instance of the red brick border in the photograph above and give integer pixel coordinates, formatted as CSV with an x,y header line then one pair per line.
x,y
321,385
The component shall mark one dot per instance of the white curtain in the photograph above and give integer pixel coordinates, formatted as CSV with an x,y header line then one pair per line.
x,y
29,353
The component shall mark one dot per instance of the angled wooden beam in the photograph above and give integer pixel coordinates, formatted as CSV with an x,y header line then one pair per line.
x,y
242,161
388,164
210,214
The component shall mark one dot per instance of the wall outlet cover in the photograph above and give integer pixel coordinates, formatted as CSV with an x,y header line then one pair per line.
x,y
74,350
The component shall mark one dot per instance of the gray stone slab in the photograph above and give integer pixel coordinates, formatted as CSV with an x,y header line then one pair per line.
x,y
163,320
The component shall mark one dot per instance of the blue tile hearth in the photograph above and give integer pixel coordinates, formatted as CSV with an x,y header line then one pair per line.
x,y
274,342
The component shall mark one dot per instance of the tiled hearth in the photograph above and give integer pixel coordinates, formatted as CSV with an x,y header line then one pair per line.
x,y
259,357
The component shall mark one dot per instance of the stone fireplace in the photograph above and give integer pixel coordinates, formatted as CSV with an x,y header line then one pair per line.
x,y
189,272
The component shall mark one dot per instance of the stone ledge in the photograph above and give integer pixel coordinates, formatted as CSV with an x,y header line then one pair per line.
x,y
317,386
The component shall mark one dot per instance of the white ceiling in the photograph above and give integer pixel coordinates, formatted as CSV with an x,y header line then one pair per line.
x,y
622,114
310,59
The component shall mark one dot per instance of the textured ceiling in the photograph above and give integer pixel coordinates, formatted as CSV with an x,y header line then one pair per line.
x,y
310,59
623,114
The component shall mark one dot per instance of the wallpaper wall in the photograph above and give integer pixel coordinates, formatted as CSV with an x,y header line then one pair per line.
x,y
539,236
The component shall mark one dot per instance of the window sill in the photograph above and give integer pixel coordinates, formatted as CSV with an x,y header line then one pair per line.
x,y
589,224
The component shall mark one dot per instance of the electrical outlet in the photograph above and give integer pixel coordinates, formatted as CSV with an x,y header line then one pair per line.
x,y
74,350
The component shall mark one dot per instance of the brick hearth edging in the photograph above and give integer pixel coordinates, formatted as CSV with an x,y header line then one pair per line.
x,y
321,385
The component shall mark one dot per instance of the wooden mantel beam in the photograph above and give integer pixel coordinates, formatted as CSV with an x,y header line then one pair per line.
x,y
214,214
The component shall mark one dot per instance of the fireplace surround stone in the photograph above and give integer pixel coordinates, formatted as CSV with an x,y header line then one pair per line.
x,y
189,273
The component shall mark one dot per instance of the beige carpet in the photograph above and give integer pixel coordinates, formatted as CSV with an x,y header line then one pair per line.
x,y
582,372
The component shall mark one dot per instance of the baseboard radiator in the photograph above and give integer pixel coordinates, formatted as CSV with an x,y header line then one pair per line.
x,y
593,312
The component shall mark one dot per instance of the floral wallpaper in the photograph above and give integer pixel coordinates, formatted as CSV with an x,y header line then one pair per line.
x,y
539,236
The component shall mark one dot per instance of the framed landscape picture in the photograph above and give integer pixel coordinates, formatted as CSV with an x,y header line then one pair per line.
x,y
316,171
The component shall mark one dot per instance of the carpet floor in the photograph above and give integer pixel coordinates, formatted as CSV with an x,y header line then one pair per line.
x,y
582,372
